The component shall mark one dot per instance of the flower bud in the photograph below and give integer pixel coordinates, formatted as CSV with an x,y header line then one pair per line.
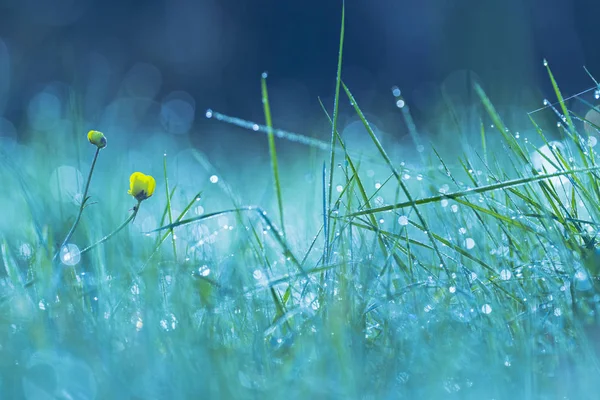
x,y
97,139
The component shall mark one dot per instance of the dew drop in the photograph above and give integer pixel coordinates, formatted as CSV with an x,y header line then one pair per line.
x,y
403,220
557,312
70,254
486,309
469,243
505,274
214,179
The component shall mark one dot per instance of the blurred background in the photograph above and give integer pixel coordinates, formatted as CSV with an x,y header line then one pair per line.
x,y
216,50
146,71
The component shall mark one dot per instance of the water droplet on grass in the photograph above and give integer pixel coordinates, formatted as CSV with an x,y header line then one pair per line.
x,y
505,274
557,312
469,243
70,254
486,309
25,250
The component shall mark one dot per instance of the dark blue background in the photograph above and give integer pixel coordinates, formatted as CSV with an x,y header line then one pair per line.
x,y
388,42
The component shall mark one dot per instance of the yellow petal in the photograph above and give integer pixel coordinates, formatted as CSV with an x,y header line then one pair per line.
x,y
141,186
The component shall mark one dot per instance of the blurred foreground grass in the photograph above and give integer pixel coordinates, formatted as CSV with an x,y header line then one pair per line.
x,y
474,279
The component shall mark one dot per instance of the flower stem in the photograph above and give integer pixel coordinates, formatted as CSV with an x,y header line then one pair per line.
x,y
123,225
81,207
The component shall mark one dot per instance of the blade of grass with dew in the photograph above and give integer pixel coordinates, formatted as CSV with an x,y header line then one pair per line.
x,y
164,214
260,250
561,101
272,150
10,266
394,171
168,207
482,134
482,189
361,188
160,240
289,136
336,103
510,139
593,177
325,209
274,231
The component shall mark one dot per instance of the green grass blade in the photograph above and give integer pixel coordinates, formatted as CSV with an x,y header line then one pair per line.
x,y
478,190
563,106
169,212
336,104
272,150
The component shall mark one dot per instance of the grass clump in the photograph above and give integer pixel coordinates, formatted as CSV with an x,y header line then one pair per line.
x,y
475,280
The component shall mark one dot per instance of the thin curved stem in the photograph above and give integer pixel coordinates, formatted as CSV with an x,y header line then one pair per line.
x,y
81,207
123,225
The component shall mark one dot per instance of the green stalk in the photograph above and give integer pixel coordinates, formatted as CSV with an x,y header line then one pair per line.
x,y
169,205
272,150
81,207
336,103
105,238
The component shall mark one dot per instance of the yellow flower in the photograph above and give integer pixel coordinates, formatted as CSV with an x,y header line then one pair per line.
x,y
97,139
141,186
